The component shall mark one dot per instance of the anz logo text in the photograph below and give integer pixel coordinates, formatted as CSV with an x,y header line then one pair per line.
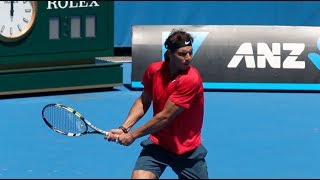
x,y
273,57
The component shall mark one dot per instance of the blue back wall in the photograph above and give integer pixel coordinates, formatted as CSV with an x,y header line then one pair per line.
x,y
291,13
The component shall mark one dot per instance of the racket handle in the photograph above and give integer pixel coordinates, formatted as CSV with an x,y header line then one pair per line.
x,y
117,140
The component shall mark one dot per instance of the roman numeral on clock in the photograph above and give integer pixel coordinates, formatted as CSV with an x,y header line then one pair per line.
x,y
25,20
2,29
19,27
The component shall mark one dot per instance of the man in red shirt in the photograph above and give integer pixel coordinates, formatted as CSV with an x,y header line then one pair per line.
x,y
176,91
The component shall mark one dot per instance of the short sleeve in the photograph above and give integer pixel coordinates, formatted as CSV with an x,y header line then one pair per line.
x,y
186,92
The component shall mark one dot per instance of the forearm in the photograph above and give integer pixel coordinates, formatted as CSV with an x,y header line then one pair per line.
x,y
153,125
159,121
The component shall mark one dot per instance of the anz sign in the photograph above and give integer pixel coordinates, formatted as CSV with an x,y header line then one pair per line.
x,y
272,58
265,54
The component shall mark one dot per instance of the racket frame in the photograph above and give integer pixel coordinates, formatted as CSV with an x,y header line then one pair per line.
x,y
76,113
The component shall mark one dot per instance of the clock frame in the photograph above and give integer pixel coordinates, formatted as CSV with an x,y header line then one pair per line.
x,y
21,31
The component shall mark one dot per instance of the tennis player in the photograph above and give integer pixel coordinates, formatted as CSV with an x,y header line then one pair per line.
x,y
176,91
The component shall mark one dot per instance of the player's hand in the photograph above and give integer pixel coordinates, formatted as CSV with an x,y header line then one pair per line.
x,y
126,139
113,135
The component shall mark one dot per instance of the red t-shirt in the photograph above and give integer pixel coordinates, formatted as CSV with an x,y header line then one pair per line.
x,y
186,90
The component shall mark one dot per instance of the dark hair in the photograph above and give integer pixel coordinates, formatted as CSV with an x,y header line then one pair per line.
x,y
177,39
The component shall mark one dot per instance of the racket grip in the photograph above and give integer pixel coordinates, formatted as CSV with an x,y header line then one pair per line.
x,y
117,140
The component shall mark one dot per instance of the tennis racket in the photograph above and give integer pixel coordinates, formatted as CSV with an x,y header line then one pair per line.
x,y
67,121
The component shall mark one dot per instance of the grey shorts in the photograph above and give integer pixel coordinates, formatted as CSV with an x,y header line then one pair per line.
x,y
155,159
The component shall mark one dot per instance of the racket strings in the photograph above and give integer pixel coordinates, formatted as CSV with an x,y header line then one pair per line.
x,y
65,120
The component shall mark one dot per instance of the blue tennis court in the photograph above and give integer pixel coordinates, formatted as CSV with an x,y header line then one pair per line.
x,y
247,134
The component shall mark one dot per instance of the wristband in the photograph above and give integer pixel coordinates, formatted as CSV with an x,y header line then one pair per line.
x,y
125,130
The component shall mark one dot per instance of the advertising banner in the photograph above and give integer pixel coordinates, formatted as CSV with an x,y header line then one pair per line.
x,y
235,57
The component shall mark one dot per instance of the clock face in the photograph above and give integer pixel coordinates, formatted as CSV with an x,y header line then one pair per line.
x,y
16,19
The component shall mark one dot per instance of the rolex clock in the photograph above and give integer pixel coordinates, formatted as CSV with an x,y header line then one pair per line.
x,y
16,19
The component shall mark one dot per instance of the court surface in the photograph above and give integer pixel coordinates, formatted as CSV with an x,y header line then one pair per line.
x,y
247,135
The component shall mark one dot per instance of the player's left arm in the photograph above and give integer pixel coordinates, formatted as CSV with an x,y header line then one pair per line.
x,y
156,123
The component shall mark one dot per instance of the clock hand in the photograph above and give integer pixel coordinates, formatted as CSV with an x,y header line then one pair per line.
x,y
11,10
